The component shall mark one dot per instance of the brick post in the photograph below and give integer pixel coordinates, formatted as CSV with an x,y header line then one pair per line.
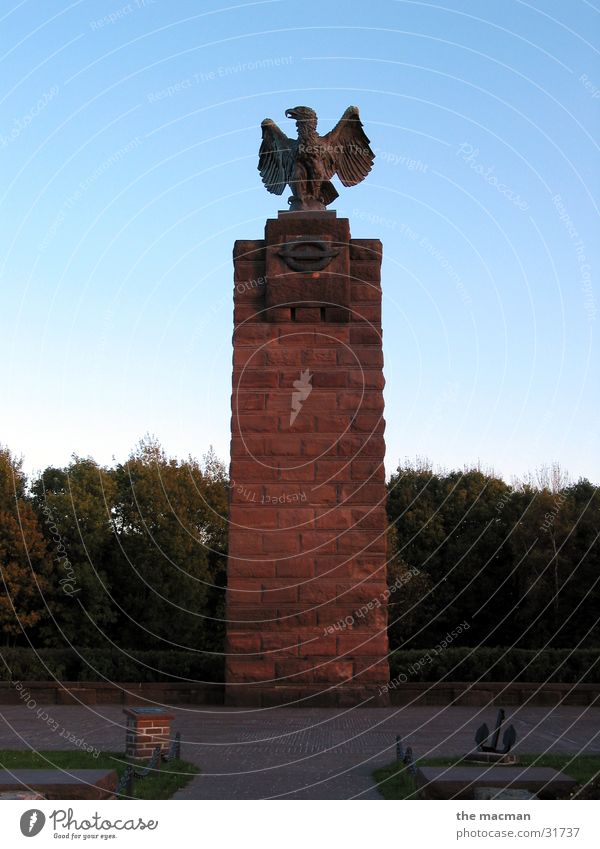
x,y
147,728
306,586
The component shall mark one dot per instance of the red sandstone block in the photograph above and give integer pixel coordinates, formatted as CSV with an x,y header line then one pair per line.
x,y
281,399
318,542
303,423
237,568
289,618
251,271
372,669
370,313
332,423
281,542
360,357
250,670
278,314
301,474
257,380
334,518
324,494
253,333
366,379
244,590
367,493
357,643
365,335
283,595
337,314
334,672
250,446
369,249
242,543
319,357
245,472
246,312
329,379
318,446
369,271
361,446
249,249
308,314
318,646
368,423
360,593
338,568
358,541
248,400
328,471
370,292
257,517
301,571
249,357
278,355
283,445
296,670
374,519
356,400
241,641
332,336
301,519
317,592
368,470
242,494
280,643
293,336
262,422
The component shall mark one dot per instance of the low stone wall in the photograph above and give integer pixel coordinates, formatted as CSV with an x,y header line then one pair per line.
x,y
443,693
501,694
102,692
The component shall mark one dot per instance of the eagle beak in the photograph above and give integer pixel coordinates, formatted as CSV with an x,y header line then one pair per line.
x,y
289,113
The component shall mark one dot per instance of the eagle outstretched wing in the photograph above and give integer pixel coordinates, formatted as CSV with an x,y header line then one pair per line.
x,y
352,157
275,157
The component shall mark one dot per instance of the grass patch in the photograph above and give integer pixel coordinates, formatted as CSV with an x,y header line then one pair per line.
x,y
395,782
162,784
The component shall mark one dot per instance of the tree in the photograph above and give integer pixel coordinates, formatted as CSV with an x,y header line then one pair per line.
x,y
75,506
25,565
171,537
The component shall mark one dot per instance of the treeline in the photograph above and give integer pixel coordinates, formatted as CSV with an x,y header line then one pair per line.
x,y
131,559
519,564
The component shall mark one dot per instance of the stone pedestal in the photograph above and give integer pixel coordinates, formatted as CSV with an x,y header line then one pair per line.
x,y
306,589
147,728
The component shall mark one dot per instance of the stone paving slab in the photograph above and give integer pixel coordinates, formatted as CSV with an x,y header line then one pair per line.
x,y
317,753
61,784
459,782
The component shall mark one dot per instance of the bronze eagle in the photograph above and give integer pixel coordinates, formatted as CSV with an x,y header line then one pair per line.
x,y
308,163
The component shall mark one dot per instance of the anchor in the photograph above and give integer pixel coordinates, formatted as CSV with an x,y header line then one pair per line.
x,y
508,738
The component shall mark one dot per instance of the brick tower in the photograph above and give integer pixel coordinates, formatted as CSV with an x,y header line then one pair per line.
x,y
306,591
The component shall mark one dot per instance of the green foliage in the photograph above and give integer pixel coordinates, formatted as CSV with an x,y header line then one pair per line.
x,y
521,564
24,664
496,664
161,784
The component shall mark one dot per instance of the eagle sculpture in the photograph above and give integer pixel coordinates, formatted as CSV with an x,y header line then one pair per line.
x,y
308,163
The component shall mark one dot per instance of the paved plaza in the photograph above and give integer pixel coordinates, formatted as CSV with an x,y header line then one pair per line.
x,y
303,753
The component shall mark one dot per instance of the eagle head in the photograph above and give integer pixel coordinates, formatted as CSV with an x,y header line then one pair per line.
x,y
302,114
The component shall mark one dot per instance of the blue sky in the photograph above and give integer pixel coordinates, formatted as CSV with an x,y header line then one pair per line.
x,y
129,134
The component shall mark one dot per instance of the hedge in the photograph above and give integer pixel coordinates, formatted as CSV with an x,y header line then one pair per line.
x,y
498,664
451,664
25,664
